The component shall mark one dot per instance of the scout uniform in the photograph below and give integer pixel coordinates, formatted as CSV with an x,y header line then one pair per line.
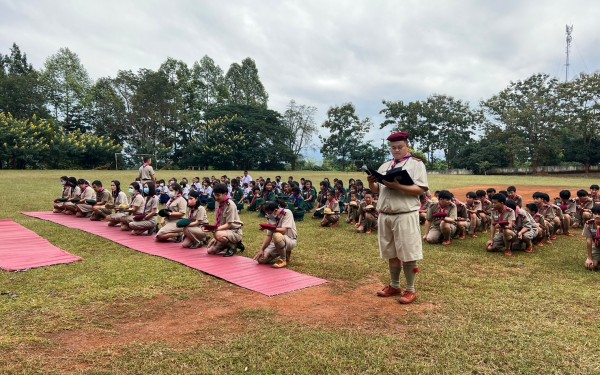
x,y
84,208
282,243
353,212
146,173
309,196
367,217
523,220
136,207
507,215
434,235
591,230
462,219
333,218
105,202
193,233
66,194
321,200
296,205
227,213
141,226
175,204
582,210
68,205
473,208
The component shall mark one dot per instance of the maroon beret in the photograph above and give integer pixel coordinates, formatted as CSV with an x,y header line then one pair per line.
x,y
400,136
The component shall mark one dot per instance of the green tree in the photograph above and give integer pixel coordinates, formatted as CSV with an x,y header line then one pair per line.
x,y
580,110
244,84
21,93
67,83
528,111
300,121
347,131
441,123
107,115
208,81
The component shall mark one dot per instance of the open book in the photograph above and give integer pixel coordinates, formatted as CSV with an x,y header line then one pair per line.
x,y
395,174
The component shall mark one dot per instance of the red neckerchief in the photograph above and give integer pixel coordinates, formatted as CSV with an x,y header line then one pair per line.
x,y
145,165
331,204
396,161
220,210
170,202
279,218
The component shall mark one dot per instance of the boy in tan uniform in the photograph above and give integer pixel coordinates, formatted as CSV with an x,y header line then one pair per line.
x,y
503,219
367,215
147,172
441,220
399,231
228,234
281,241
103,198
331,211
591,232
473,207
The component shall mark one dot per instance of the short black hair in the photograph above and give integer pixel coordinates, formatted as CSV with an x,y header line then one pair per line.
x,y
445,194
220,189
97,183
511,188
499,197
582,193
481,193
565,194
594,187
532,207
472,195
135,185
596,209
510,203
175,186
490,190
271,206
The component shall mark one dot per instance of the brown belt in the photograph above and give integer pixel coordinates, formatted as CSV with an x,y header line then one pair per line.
x,y
395,213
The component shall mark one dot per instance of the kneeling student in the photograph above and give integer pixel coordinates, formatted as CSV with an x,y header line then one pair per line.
x,y
281,241
193,235
440,225
228,232
146,221
503,218
174,211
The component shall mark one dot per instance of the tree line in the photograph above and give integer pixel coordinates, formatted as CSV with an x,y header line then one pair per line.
x,y
201,115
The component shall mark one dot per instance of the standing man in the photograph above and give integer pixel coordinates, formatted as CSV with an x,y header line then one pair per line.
x,y
399,230
147,172
246,179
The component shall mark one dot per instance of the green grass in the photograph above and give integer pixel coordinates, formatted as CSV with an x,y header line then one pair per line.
x,y
533,313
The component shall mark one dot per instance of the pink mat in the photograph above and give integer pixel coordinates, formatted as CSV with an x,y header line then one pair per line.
x,y
238,270
21,249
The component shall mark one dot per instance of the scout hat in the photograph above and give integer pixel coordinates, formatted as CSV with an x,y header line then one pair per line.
x,y
183,223
327,211
400,136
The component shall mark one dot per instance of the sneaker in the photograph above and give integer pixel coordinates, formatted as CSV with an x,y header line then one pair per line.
x,y
569,234
508,252
389,291
474,235
462,237
529,249
280,264
408,297
447,243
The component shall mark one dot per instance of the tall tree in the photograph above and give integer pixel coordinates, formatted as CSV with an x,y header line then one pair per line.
x,y
580,108
208,81
107,113
300,121
21,93
528,110
67,84
346,133
244,85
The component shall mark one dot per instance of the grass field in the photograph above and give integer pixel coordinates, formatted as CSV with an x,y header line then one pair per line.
x,y
124,312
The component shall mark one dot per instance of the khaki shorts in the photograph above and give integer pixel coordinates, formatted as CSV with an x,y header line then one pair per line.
x,y
195,233
400,236
435,234
170,227
272,252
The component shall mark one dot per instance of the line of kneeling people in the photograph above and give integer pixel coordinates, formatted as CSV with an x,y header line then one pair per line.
x,y
513,226
185,221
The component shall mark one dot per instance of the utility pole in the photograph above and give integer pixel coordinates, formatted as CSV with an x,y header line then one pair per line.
x,y
569,30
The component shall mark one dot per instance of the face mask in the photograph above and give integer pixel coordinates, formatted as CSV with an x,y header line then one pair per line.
x,y
63,182
171,194
271,216
146,190
161,185
131,191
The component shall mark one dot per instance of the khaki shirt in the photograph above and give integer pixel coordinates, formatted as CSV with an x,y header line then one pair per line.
x,y
435,208
178,204
104,196
88,193
524,220
146,172
507,215
75,192
590,230
229,214
393,201
121,199
137,201
198,214
150,205
286,221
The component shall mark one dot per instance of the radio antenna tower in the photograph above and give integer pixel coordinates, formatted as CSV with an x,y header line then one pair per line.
x,y
569,30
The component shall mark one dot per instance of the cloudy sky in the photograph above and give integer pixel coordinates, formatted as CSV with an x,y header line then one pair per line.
x,y
321,53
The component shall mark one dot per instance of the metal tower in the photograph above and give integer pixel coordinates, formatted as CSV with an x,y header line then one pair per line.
x,y
569,30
